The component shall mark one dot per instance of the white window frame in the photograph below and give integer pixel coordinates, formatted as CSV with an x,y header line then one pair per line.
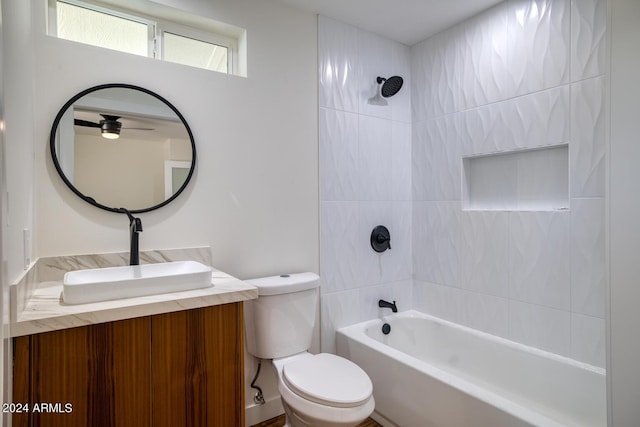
x,y
155,30
192,33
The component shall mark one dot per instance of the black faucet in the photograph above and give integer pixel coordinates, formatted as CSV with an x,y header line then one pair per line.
x,y
386,304
135,228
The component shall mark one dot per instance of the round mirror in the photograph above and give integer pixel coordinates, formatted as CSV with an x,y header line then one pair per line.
x,y
122,146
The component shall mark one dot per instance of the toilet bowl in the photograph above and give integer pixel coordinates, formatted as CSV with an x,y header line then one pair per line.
x,y
323,390
317,390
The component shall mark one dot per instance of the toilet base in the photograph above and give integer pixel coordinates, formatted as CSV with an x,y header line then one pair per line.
x,y
293,419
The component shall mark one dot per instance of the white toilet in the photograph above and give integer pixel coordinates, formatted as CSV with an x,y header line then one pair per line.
x,y
317,390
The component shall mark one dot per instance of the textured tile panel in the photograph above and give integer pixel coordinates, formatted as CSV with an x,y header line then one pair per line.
x,y
588,340
436,234
484,58
539,266
436,76
542,327
484,252
338,71
538,44
421,62
588,257
486,313
400,161
588,148
338,309
484,129
588,38
539,119
419,172
374,155
401,102
437,162
339,246
441,301
445,72
339,165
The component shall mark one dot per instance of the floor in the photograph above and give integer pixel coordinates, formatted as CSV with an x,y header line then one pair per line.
x,y
279,422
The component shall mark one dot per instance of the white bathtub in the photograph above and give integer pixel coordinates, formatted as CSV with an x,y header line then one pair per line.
x,y
432,373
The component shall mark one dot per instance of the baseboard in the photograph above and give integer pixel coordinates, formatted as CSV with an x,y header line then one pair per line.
x,y
255,414
384,422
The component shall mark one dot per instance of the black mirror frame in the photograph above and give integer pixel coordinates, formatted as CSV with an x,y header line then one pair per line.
x,y
52,144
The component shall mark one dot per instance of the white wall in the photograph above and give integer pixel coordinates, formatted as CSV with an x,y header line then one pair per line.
x,y
19,132
17,189
523,74
365,180
5,394
624,316
254,195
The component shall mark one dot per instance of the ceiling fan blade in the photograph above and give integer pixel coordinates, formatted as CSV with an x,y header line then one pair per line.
x,y
139,128
85,123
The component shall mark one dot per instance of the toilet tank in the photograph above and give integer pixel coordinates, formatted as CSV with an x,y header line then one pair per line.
x,y
280,322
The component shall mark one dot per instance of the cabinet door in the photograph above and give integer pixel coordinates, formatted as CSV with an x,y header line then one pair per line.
x,y
197,368
101,371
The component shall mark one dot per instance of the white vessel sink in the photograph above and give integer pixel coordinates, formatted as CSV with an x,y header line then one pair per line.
x,y
103,284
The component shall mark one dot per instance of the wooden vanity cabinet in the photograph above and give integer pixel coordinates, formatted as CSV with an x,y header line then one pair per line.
x,y
175,369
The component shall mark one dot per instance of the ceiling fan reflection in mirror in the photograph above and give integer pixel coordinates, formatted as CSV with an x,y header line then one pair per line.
x,y
110,126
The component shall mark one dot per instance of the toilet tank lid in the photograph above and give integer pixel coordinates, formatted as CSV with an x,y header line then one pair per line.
x,y
285,283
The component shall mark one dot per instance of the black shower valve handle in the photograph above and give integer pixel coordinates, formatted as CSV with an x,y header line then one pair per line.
x,y
380,238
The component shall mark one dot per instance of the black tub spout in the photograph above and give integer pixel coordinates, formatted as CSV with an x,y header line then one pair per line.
x,y
386,304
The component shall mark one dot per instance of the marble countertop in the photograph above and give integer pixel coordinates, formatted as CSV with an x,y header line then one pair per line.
x,y
43,309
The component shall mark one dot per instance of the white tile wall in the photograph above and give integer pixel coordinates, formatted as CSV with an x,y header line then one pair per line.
x,y
538,258
484,252
588,269
339,246
437,164
436,235
374,155
365,176
539,119
543,327
338,71
484,68
401,105
524,74
338,131
401,161
530,75
588,134
588,38
538,44
587,339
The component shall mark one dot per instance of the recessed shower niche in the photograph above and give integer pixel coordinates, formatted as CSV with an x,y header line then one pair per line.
x,y
525,180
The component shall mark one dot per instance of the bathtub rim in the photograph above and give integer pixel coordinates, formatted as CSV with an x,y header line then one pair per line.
x,y
361,327
357,332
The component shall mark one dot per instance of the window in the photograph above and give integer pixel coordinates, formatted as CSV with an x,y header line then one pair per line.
x,y
194,52
141,35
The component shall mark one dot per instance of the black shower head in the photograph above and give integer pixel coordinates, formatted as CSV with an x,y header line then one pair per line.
x,y
390,86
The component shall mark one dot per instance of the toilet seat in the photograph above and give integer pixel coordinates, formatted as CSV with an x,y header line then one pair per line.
x,y
329,380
